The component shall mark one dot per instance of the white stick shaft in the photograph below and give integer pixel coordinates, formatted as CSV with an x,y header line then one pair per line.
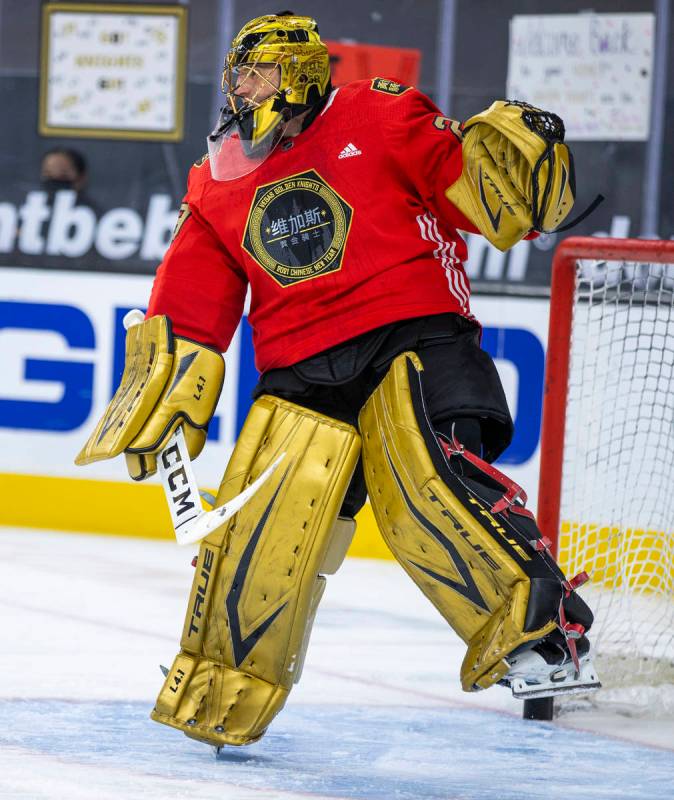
x,y
180,486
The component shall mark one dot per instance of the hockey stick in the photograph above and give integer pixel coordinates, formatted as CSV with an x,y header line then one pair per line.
x,y
190,522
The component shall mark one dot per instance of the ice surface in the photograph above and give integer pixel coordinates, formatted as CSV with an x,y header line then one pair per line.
x,y
378,714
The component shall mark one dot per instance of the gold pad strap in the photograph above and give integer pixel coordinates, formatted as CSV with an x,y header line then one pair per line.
x,y
258,578
450,546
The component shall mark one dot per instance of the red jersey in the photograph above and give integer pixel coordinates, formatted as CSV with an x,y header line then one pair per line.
x,y
342,229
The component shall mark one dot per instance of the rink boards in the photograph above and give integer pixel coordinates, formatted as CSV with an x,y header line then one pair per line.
x,y
61,357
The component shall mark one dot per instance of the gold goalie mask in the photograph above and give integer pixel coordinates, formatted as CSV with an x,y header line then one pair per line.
x,y
276,69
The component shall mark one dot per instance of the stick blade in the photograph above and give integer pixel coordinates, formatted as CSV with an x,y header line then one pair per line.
x,y
208,521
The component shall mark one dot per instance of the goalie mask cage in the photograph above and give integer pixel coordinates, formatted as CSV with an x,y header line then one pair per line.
x,y
606,490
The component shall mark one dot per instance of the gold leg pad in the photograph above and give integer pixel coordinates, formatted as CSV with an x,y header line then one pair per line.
x,y
483,665
448,543
257,583
342,536
319,588
245,705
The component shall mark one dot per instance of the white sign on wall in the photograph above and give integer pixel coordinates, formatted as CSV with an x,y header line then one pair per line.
x,y
594,70
113,71
60,334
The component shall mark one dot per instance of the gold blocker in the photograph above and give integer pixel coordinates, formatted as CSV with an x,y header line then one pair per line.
x,y
490,584
259,578
167,381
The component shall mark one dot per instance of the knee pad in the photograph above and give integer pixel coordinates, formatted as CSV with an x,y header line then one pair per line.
x,y
259,577
485,571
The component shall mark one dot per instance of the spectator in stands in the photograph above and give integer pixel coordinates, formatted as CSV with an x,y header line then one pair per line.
x,y
63,168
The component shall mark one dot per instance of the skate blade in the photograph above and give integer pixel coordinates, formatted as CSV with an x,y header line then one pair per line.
x,y
587,681
528,691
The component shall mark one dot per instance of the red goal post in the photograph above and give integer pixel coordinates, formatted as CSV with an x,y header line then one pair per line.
x,y
562,291
606,480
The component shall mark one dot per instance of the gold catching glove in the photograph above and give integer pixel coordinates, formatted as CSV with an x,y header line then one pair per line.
x,y
167,381
517,173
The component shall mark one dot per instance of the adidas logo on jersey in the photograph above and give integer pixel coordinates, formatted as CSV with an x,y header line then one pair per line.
x,y
349,151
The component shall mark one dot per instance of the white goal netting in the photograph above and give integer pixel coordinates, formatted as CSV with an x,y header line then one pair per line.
x,y
617,493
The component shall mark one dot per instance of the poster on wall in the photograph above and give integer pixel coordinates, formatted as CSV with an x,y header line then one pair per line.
x,y
595,70
113,71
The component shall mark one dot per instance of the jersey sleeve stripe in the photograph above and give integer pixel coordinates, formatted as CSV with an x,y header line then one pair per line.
x,y
444,253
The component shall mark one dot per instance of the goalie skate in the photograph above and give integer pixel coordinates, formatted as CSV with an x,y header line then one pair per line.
x,y
548,669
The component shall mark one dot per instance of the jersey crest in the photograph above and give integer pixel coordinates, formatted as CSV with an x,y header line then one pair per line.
x,y
297,228
387,86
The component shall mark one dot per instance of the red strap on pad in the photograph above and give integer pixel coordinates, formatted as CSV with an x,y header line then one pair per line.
x,y
574,583
541,544
572,630
513,491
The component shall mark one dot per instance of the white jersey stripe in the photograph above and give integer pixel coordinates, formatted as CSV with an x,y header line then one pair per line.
x,y
459,277
422,222
445,253
425,223
441,254
451,261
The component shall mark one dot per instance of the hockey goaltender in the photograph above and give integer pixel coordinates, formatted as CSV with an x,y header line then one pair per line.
x,y
340,209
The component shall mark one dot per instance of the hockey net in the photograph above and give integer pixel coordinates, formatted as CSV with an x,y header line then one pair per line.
x,y
606,496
